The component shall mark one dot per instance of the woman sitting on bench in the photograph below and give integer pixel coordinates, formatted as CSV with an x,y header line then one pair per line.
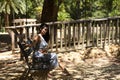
x,y
41,49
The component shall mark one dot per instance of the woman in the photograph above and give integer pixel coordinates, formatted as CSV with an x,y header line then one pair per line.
x,y
41,49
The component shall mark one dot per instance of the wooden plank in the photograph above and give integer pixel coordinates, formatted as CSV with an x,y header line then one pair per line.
x,y
112,32
83,34
109,30
61,40
116,31
65,35
74,37
101,34
69,35
79,33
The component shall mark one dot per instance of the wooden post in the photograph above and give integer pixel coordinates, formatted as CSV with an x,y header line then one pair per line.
x,y
69,35
83,33
13,41
101,27
74,37
116,37
88,33
65,36
109,31
79,34
61,38
93,34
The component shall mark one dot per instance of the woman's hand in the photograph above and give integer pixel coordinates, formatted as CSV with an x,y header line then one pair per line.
x,y
44,51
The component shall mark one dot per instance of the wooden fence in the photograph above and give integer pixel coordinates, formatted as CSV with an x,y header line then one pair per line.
x,y
78,34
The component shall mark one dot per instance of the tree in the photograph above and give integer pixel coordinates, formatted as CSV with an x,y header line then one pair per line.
x,y
7,6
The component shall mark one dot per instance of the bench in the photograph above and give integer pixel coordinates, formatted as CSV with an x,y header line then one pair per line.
x,y
27,56
34,68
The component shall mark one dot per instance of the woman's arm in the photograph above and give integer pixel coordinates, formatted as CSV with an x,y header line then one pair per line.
x,y
35,40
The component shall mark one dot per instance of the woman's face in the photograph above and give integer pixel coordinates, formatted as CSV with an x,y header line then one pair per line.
x,y
44,30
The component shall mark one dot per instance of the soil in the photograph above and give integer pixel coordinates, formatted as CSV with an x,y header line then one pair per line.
x,y
89,64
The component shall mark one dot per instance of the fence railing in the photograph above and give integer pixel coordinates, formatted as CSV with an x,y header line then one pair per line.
x,y
78,34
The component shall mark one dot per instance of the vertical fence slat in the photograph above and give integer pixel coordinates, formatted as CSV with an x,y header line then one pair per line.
x,y
109,31
74,37
61,40
119,31
51,37
27,33
79,33
65,35
88,33
101,34
93,29
13,41
97,33
112,32
83,34
55,38
69,35
105,33
33,32
116,34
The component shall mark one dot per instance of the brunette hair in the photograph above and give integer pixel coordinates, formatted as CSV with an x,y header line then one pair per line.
x,y
46,36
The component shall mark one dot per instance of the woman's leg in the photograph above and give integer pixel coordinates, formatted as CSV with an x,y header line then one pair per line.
x,y
53,61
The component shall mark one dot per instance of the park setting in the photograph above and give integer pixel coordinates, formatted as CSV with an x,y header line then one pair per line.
x,y
59,39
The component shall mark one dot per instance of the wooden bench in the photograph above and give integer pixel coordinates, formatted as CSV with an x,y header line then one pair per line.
x,y
34,69
27,53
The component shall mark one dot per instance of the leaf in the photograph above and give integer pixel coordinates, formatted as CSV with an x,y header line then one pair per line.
x,y
14,7
2,6
8,9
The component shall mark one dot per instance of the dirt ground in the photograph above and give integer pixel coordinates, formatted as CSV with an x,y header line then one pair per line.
x,y
88,64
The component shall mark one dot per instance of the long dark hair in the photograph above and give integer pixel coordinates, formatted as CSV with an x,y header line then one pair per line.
x,y
46,36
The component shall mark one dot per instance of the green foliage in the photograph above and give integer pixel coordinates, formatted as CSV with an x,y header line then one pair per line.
x,y
79,9
106,8
12,5
34,8
38,9
2,29
115,8
62,14
98,14
92,8
73,8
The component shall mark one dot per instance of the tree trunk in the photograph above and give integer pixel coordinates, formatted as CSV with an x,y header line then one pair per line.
x,y
50,10
6,20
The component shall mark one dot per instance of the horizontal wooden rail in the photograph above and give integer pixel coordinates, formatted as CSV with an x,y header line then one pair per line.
x,y
77,34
